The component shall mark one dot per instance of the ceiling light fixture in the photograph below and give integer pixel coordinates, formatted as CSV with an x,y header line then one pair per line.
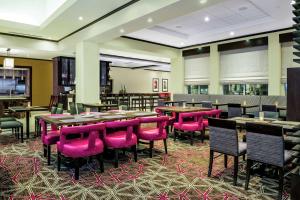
x,y
232,33
8,63
80,18
122,31
149,20
293,2
206,19
203,1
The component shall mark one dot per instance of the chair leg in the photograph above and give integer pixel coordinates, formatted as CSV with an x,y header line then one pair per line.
x,y
49,154
235,170
100,160
281,180
175,134
244,157
134,151
22,135
116,158
76,165
45,150
166,146
211,160
58,160
192,137
151,148
225,160
203,135
248,171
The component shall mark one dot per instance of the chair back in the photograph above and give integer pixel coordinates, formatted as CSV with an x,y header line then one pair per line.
x,y
206,104
53,110
223,136
265,143
59,111
93,131
234,110
80,108
128,124
214,113
60,105
73,110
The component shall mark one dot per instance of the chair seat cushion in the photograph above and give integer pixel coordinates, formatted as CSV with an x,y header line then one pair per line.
x,y
5,119
11,124
78,148
51,138
118,140
288,156
242,148
188,126
152,134
205,123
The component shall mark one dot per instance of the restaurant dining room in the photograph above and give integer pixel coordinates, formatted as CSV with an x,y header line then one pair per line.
x,y
149,99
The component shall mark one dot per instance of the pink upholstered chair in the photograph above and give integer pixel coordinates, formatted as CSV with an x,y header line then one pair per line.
x,y
82,147
48,138
213,114
120,135
152,134
194,123
172,118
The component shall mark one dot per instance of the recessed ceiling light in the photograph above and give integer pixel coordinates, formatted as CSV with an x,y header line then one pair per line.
x,y
232,33
122,31
206,19
149,20
80,18
203,1
293,2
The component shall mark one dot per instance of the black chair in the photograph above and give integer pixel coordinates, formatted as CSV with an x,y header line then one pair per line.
x,y
80,108
224,139
234,110
265,144
15,126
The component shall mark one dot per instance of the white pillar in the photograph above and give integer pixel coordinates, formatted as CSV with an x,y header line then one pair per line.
x,y
274,64
214,64
177,75
87,73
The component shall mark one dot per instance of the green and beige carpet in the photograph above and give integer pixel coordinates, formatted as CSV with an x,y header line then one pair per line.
x,y
182,174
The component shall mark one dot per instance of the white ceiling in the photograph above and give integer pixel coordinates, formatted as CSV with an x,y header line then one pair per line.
x,y
242,17
51,19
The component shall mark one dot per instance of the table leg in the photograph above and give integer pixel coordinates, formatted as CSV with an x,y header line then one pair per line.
x,y
244,111
27,123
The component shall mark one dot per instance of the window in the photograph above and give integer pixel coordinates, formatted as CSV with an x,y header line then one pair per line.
x,y
245,89
197,89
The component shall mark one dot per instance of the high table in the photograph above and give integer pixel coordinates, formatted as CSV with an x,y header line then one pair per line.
x,y
178,110
100,106
27,111
173,102
244,107
193,103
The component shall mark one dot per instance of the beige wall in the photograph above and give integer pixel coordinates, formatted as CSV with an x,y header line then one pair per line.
x,y
42,75
136,80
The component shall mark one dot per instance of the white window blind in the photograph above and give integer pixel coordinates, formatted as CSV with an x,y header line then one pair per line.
x,y
287,59
249,65
197,70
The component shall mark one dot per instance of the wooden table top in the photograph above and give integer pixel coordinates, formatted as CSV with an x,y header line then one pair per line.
x,y
25,108
219,104
182,109
99,105
281,108
283,124
249,106
95,117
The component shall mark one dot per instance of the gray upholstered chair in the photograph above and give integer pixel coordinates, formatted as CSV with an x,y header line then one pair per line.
x,y
265,144
224,139
234,110
270,111
206,104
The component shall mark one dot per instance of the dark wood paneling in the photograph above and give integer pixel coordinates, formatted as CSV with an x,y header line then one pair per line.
x,y
293,94
244,44
286,37
196,51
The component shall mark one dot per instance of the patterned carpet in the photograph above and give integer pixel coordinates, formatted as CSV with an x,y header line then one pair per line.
x,y
182,174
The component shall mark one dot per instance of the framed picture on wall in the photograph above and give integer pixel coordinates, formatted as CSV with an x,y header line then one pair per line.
x,y
165,85
155,85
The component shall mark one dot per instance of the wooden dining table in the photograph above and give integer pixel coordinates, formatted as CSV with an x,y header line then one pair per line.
x,y
94,117
100,106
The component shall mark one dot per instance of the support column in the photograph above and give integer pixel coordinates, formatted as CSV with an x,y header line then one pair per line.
x,y
87,73
214,64
274,64
177,75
